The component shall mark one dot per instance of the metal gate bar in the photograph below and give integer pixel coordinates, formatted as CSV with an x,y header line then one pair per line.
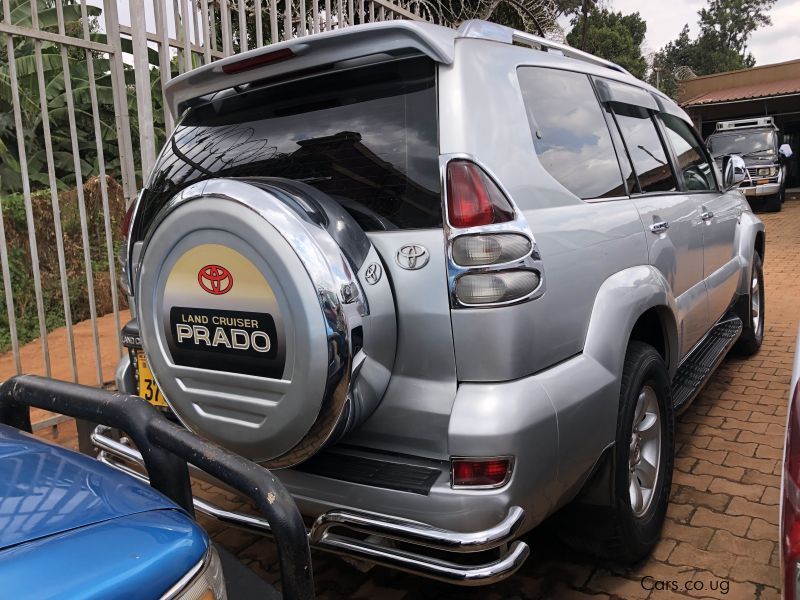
x,y
26,190
198,32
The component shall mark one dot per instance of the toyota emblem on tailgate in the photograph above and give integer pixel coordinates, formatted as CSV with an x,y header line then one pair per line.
x,y
412,256
215,279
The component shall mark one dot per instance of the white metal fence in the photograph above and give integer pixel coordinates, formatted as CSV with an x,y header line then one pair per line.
x,y
86,116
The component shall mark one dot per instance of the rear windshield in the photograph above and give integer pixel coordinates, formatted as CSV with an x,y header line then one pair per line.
x,y
367,137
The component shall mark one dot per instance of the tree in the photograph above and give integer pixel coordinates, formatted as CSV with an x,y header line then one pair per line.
x,y
611,35
732,22
721,45
535,16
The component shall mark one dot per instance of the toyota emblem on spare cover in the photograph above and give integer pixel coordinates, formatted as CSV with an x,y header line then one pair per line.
x,y
373,273
412,257
215,279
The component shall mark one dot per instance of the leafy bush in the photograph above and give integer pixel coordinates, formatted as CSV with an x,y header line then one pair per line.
x,y
20,263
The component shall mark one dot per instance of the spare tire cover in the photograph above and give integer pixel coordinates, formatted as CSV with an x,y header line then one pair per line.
x,y
246,308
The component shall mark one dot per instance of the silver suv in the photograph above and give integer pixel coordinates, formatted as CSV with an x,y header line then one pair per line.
x,y
444,283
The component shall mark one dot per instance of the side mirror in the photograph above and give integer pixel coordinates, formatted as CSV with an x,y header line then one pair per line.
x,y
733,171
785,151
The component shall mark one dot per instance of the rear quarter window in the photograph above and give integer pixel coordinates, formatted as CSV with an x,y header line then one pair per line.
x,y
570,133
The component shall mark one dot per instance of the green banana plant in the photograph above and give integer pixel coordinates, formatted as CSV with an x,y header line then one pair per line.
x,y
52,63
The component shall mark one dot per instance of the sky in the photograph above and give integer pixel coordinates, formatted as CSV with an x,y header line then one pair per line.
x,y
665,19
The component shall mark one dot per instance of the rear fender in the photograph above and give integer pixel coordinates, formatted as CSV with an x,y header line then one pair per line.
x,y
750,227
587,410
620,301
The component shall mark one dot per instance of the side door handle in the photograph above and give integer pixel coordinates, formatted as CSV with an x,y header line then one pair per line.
x,y
659,227
707,216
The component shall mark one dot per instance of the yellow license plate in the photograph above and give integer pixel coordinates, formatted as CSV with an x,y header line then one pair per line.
x,y
148,389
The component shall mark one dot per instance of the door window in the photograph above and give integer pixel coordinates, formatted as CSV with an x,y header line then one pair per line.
x,y
645,149
569,132
692,162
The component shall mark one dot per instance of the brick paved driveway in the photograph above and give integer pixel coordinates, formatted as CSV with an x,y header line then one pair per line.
x,y
721,529
721,532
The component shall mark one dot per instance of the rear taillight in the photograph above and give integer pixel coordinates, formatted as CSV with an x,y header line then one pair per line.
x,y
495,288
790,505
490,249
473,199
479,472
254,62
492,257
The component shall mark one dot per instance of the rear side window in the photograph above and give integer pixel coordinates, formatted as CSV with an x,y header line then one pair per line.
x,y
366,136
645,148
570,133
696,170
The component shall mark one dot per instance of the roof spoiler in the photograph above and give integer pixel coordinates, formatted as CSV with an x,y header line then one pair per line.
x,y
312,52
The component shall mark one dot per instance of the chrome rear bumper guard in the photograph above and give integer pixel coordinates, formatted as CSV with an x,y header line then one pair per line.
x,y
329,532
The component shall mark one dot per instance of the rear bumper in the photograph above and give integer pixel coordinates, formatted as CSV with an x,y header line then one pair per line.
x,y
474,557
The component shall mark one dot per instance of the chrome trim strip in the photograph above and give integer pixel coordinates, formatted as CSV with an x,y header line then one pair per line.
x,y
414,532
407,531
433,568
184,581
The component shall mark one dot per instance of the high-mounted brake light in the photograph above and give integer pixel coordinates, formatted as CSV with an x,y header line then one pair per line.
x,y
473,199
479,472
257,61
790,504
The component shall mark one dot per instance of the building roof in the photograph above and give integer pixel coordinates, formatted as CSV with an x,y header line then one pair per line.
x,y
747,92
766,81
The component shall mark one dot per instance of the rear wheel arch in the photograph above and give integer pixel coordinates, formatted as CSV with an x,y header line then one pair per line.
x,y
656,327
760,244
635,303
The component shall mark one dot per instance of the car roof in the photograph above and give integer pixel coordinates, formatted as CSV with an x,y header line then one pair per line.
x,y
46,489
389,38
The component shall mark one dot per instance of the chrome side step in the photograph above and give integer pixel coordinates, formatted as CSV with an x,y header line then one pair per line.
x,y
698,366
381,539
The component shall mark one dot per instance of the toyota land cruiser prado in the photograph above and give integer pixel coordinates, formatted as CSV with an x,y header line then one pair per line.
x,y
444,283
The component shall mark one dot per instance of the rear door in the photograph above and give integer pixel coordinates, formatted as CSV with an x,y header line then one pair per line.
x,y
719,212
672,218
367,136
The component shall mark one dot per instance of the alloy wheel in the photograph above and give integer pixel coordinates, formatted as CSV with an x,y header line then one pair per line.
x,y
644,455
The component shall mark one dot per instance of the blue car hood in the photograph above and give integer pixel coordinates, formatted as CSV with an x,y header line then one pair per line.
x,y
46,490
128,558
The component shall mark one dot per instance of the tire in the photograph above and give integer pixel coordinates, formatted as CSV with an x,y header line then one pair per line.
x,y
628,525
772,203
752,335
